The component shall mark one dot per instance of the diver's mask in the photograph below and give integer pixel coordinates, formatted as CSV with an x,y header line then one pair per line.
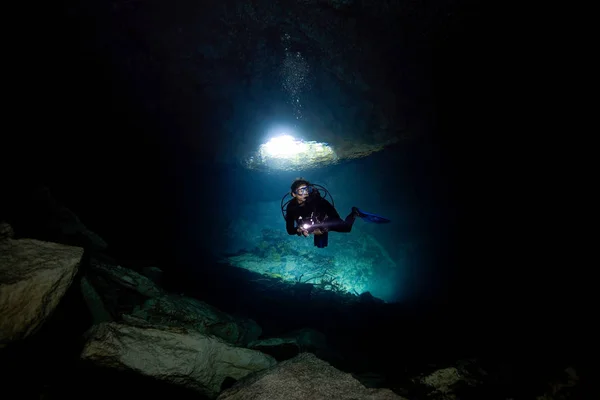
x,y
304,190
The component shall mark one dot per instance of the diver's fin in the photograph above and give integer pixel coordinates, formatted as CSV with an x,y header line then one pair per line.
x,y
369,217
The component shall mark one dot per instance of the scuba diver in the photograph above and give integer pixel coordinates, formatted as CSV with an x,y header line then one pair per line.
x,y
309,212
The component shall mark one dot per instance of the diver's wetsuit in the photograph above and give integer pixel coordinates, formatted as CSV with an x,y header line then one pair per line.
x,y
319,208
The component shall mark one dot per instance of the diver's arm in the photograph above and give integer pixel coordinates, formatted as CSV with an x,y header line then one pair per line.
x,y
290,226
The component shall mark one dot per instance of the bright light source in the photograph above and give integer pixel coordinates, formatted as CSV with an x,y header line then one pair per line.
x,y
284,152
283,147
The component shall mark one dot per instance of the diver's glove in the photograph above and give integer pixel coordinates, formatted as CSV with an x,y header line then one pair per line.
x,y
302,232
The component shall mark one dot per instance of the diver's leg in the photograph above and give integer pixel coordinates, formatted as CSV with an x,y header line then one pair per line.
x,y
321,241
339,225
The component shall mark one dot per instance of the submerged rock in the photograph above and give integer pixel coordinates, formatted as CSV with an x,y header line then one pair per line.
x,y
187,358
34,277
303,377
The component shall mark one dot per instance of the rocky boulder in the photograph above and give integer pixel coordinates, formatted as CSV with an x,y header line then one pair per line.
x,y
174,355
6,231
180,311
293,343
126,278
442,382
113,292
34,276
303,377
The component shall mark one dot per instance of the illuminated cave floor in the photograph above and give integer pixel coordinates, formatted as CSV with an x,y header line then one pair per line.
x,y
354,262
